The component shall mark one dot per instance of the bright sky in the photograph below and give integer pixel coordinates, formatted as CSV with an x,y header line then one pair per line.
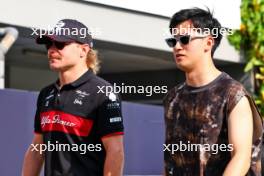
x,y
226,11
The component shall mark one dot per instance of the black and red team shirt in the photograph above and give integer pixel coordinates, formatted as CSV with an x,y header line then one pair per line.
x,y
78,115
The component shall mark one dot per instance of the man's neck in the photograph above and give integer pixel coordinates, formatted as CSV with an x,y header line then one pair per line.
x,y
69,76
197,78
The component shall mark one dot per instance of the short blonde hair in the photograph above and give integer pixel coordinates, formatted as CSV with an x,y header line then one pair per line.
x,y
92,61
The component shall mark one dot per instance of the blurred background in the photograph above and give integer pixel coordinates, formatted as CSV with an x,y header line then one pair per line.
x,y
129,38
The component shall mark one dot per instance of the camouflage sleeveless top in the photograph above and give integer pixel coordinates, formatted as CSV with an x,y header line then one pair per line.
x,y
196,128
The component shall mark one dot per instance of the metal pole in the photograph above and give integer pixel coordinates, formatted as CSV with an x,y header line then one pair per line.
x,y
10,36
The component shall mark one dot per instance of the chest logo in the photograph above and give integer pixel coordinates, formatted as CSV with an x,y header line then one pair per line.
x,y
51,95
79,97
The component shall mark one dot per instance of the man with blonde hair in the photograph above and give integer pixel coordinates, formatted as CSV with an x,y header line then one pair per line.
x,y
78,132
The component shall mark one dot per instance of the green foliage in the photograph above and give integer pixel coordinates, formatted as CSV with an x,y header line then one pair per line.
x,y
250,39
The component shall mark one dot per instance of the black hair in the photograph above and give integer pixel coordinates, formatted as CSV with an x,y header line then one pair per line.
x,y
200,18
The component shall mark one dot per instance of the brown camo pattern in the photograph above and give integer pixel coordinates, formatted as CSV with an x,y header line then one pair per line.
x,y
199,116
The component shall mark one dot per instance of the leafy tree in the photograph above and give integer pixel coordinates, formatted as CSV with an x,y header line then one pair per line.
x,y
249,40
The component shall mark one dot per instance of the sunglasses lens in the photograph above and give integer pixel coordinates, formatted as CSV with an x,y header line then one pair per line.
x,y
185,39
59,45
171,42
48,44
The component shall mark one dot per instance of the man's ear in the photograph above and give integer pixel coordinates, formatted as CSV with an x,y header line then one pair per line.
x,y
84,50
209,43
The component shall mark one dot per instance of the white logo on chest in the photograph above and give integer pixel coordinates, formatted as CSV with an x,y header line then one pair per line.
x,y
80,96
56,119
77,101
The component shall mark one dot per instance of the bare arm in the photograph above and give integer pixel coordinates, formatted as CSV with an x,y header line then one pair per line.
x,y
114,161
240,133
33,159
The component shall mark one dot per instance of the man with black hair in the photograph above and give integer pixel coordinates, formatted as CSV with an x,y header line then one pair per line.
x,y
210,109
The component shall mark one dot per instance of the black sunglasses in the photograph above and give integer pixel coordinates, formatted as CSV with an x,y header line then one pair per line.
x,y
58,45
183,39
